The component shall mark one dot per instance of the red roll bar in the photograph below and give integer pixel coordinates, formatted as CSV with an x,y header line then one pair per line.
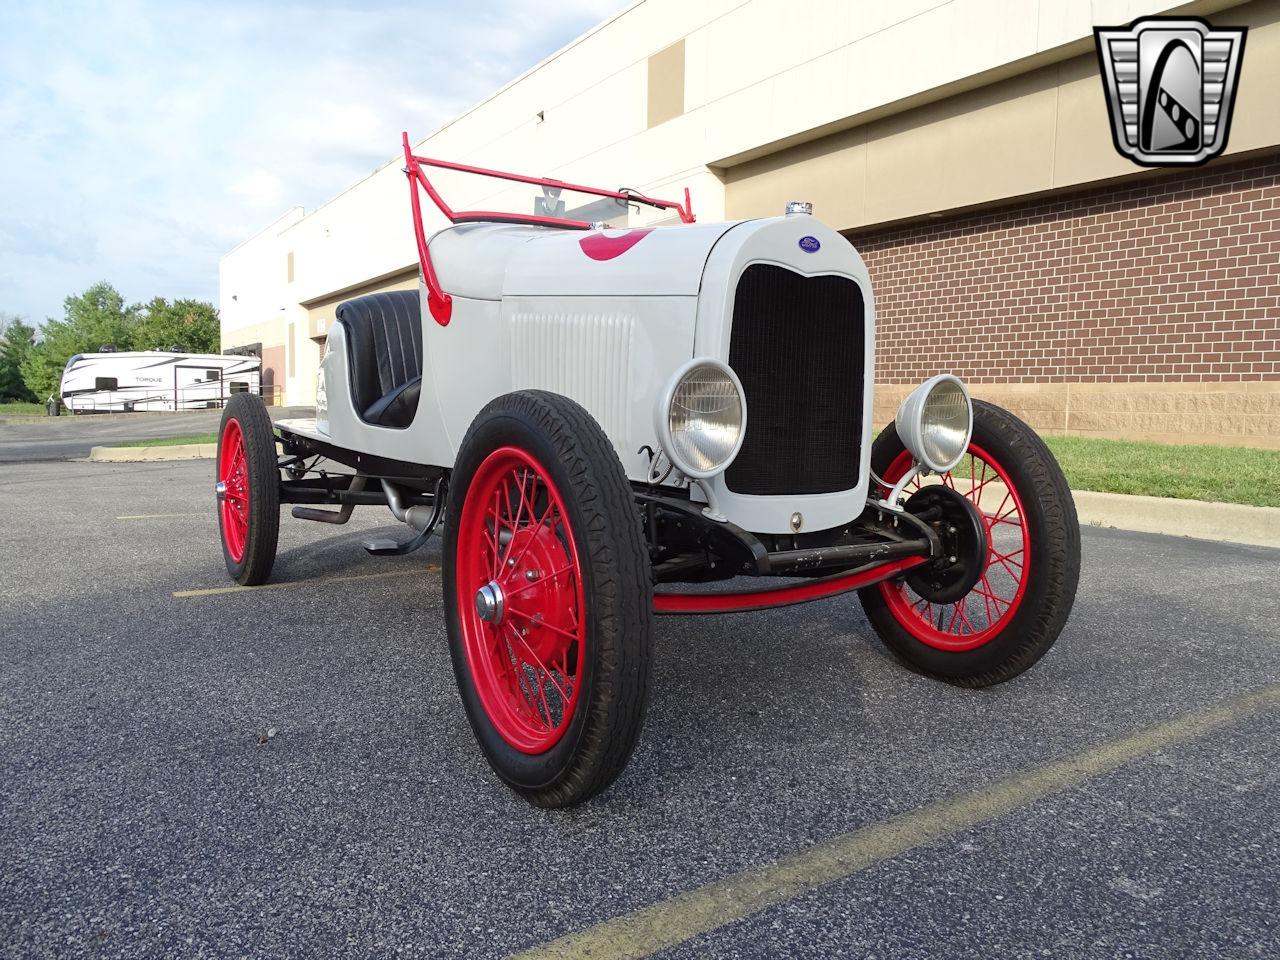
x,y
440,303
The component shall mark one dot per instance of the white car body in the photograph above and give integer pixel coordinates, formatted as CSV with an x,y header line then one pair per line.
x,y
731,367
605,317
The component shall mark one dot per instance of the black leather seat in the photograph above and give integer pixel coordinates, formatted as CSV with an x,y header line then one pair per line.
x,y
384,353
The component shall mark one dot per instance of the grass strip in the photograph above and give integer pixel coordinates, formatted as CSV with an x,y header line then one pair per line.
x,y
19,408
167,441
1192,472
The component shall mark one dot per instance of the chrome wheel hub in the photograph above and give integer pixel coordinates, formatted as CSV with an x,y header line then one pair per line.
x,y
490,602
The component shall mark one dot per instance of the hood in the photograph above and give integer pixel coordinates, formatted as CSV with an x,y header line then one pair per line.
x,y
486,261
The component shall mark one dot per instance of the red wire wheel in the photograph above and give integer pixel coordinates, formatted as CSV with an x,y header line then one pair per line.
x,y
519,595
233,504
978,616
247,488
548,597
1015,611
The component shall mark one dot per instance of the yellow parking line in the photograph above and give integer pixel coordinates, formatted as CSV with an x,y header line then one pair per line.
x,y
706,908
318,582
163,516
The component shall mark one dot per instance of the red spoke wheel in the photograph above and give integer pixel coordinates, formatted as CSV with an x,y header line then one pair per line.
x,y
548,597
1014,612
247,487
519,585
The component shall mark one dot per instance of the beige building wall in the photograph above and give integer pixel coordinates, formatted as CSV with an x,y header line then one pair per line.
x,y
1018,137
1030,135
877,112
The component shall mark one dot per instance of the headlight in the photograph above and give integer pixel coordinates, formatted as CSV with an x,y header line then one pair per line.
x,y
701,418
936,421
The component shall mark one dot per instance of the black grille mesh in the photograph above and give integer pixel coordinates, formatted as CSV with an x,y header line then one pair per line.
x,y
797,346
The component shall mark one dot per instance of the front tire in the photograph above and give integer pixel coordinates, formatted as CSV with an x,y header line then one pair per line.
x,y
249,506
548,598
1014,613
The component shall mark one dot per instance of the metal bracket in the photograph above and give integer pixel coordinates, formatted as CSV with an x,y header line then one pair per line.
x,y
333,516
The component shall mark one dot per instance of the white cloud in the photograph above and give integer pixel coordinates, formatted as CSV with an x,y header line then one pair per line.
x,y
142,139
260,188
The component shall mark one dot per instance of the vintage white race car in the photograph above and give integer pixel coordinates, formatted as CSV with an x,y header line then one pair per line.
x,y
602,417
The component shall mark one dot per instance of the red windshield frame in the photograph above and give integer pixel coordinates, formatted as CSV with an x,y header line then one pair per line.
x,y
440,303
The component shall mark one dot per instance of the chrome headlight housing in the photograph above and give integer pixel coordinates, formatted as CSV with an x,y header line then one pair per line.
x,y
935,422
701,418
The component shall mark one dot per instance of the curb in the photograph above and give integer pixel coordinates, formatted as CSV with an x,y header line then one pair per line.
x,y
181,451
1231,522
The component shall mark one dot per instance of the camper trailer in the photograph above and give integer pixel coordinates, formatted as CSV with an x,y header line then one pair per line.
x,y
156,380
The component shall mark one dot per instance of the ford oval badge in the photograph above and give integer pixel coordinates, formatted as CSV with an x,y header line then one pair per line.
x,y
810,244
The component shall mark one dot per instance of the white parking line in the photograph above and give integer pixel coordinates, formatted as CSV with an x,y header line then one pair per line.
x,y
317,581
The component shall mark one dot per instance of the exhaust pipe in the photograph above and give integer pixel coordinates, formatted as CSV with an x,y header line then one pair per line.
x,y
418,517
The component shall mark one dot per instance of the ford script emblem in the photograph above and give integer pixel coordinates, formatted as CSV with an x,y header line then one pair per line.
x,y
810,244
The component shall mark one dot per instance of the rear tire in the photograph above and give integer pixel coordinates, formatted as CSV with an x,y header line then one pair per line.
x,y
1013,615
249,513
554,673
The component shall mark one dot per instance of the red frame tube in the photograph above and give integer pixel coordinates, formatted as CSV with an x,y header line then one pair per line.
x,y
440,303
780,596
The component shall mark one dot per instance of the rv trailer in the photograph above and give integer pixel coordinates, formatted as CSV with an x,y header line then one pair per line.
x,y
156,380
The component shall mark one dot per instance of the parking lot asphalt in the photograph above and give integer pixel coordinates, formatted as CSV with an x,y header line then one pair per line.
x,y
288,771
67,437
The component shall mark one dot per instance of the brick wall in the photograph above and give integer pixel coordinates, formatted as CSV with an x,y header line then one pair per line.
x,y
1172,279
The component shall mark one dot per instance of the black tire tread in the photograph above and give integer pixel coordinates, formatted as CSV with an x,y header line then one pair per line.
x,y
1054,513
254,568
621,597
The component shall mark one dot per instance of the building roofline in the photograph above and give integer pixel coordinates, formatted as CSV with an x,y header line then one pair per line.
x,y
297,207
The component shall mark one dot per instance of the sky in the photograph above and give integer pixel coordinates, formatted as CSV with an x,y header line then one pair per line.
x,y
142,140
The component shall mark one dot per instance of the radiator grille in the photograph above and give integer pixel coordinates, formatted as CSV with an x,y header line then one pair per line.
x,y
798,347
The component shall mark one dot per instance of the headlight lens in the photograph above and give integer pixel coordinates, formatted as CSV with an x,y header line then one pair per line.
x,y
705,419
936,421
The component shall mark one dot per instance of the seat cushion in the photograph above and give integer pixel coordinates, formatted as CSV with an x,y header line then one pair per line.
x,y
397,408
384,345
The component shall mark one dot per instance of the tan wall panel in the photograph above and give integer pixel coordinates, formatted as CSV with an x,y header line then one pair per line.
x,y
1083,149
1256,120
666,84
981,146
833,180
320,313
271,334
268,333
273,373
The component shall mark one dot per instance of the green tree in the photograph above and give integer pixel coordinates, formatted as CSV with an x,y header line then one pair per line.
x,y
190,325
94,319
17,339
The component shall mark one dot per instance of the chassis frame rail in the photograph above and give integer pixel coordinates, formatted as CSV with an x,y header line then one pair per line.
x,y
781,596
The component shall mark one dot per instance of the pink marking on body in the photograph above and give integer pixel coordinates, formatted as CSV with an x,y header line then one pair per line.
x,y
602,246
